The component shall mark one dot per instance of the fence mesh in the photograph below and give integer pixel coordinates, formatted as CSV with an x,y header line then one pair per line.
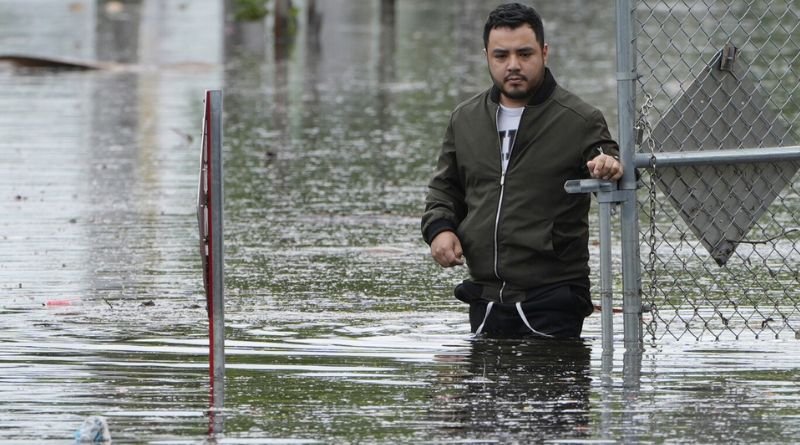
x,y
720,243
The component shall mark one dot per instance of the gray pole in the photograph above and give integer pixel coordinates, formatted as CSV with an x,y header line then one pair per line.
x,y
606,296
218,297
626,101
717,157
607,195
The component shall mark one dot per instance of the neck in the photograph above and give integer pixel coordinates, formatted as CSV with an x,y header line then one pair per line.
x,y
513,103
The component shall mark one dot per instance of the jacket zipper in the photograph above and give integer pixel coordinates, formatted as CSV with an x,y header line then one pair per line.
x,y
496,225
500,200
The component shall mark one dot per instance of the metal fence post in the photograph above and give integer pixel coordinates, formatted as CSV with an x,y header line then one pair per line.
x,y
218,303
626,101
607,195
606,287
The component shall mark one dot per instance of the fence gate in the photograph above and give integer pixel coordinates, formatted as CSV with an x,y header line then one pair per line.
x,y
719,127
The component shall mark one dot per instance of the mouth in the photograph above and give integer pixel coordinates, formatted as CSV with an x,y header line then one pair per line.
x,y
515,79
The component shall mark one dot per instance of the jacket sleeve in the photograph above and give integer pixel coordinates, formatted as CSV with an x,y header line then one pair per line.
x,y
598,140
444,204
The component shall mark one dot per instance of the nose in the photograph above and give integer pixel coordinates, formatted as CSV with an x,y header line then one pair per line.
x,y
513,63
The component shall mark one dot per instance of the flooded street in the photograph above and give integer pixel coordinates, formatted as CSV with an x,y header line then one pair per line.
x,y
340,328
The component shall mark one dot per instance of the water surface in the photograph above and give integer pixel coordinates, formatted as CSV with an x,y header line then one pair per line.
x,y
340,329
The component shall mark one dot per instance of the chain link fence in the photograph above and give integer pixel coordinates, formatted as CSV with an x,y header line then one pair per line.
x,y
721,242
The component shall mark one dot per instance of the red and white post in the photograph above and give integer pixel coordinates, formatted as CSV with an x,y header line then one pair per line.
x,y
209,213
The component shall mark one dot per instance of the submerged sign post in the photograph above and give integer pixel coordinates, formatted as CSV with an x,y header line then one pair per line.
x,y
209,218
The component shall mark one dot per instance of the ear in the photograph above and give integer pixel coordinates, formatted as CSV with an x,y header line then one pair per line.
x,y
545,50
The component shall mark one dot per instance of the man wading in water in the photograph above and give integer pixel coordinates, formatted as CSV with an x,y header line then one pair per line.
x,y
497,197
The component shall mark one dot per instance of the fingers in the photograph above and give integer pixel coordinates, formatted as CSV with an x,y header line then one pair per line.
x,y
446,250
605,167
459,254
448,257
452,260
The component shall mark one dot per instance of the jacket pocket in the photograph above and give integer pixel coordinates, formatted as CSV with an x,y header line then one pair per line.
x,y
534,236
476,233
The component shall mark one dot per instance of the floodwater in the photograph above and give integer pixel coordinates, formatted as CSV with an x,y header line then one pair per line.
x,y
340,329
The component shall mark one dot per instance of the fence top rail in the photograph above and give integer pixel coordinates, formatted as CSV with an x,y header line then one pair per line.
x,y
717,157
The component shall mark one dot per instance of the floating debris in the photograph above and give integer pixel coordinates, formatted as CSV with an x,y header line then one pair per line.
x,y
49,62
59,302
93,430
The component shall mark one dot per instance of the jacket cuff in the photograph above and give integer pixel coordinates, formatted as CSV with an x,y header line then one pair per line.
x,y
437,227
612,151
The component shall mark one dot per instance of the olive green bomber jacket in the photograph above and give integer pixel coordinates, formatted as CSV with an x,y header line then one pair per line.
x,y
523,230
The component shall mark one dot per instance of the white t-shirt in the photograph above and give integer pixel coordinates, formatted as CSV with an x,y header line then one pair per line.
x,y
507,125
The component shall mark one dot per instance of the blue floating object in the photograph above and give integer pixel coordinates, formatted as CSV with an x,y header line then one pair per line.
x,y
93,430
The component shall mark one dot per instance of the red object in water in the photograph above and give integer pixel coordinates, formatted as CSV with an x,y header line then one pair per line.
x,y
209,216
205,197
59,302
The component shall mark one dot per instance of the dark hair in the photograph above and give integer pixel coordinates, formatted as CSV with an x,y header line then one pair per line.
x,y
513,15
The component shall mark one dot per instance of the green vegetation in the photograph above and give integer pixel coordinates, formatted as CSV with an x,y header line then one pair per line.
x,y
250,10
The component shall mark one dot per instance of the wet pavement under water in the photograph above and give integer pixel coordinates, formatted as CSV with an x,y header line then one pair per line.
x,y
340,329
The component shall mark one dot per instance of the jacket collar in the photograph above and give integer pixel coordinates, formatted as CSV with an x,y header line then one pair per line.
x,y
542,94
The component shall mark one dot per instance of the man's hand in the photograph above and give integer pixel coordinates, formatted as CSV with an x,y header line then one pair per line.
x,y
605,167
446,249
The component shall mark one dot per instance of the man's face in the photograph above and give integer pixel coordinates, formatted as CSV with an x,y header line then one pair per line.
x,y
516,63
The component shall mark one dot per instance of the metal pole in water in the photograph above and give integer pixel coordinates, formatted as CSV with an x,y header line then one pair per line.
x,y
629,216
606,301
218,306
607,195
213,270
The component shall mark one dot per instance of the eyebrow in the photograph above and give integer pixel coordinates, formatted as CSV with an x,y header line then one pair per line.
x,y
504,50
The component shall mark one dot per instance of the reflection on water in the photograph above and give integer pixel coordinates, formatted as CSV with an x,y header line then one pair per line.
x,y
340,328
510,388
